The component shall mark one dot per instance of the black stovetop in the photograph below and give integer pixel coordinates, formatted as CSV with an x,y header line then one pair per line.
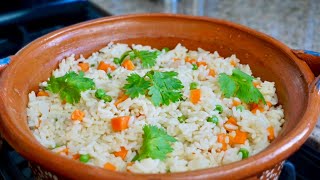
x,y
22,21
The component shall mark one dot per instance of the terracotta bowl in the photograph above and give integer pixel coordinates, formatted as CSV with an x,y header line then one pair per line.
x,y
297,87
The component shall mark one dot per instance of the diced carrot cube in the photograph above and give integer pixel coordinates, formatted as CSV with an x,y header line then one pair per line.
x,y
104,66
270,130
42,93
201,63
195,95
77,115
109,166
128,65
212,72
122,153
84,66
120,123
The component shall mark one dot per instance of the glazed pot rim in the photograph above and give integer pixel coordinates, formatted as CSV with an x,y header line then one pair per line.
x,y
253,165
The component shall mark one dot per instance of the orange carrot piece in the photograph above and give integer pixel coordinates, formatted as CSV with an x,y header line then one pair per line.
x,y
77,115
122,97
75,156
191,61
175,59
128,165
253,106
256,83
231,121
122,153
269,104
65,151
240,137
128,65
212,72
233,63
104,66
222,140
84,66
236,103
42,93
270,130
109,166
120,123
254,111
201,63
195,95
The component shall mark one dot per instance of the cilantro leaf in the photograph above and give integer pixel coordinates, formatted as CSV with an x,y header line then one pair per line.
x,y
70,86
148,58
240,84
136,85
156,143
165,87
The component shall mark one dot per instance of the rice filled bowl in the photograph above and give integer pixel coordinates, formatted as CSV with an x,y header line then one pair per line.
x,y
198,119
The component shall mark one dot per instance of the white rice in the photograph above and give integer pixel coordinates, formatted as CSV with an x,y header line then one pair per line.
x,y
196,147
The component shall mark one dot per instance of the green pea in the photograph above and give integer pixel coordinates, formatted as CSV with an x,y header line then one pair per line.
x,y
244,152
109,76
107,98
213,119
100,93
219,109
240,108
182,119
194,67
84,158
166,49
193,85
116,60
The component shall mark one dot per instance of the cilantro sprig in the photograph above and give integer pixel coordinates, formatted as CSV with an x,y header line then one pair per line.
x,y
240,85
70,86
162,87
156,143
136,85
148,58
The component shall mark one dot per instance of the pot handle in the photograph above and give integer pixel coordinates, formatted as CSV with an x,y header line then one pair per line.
x,y
4,62
311,58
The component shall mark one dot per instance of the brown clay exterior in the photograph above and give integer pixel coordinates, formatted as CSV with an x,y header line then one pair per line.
x,y
268,58
312,61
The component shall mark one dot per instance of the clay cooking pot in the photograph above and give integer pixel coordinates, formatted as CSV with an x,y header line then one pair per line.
x,y
297,88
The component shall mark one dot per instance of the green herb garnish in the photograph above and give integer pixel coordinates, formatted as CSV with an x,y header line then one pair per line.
x,y
148,58
156,143
240,85
240,108
162,87
70,86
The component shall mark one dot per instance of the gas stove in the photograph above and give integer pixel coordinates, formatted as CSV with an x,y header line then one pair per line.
x,y
30,19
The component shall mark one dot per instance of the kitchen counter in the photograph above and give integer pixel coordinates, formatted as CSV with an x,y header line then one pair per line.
x,y
294,22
